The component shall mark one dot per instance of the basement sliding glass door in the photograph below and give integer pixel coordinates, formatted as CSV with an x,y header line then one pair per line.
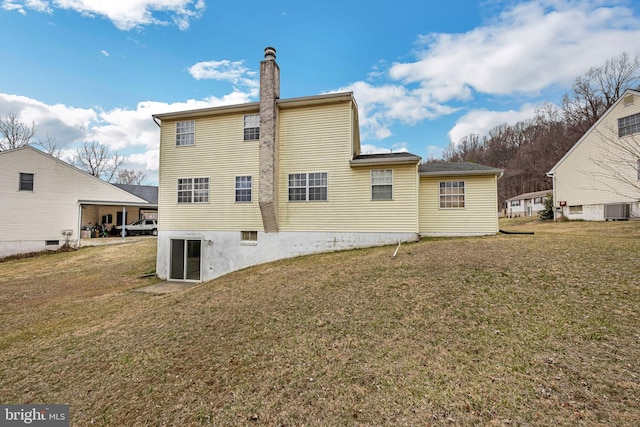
x,y
185,259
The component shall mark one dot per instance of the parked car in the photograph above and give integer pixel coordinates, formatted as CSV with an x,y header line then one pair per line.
x,y
143,226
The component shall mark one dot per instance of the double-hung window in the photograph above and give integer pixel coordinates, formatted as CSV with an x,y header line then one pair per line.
x,y
251,127
243,188
452,195
382,184
185,132
26,182
629,125
308,186
193,190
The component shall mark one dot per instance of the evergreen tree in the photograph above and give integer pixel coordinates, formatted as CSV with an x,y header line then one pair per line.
x,y
547,213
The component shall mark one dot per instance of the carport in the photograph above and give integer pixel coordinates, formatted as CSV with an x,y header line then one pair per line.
x,y
93,213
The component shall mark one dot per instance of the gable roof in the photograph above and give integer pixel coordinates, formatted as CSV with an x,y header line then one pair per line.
x,y
456,169
400,158
146,192
552,171
531,195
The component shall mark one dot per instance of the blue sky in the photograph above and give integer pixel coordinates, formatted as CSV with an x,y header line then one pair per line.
x,y
424,74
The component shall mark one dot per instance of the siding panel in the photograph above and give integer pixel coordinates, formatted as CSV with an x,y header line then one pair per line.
x,y
480,215
319,140
221,154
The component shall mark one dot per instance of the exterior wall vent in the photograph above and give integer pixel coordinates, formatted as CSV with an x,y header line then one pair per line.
x,y
628,101
617,211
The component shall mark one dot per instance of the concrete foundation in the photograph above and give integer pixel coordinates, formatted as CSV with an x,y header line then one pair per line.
x,y
223,251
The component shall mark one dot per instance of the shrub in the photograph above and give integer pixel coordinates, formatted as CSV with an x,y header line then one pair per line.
x,y
547,212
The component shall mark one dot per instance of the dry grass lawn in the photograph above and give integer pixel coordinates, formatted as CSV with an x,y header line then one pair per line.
x,y
537,329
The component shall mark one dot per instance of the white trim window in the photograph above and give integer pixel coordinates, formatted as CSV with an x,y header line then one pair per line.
x,y
308,187
26,182
452,195
249,236
193,190
251,127
382,184
243,188
185,132
629,125
514,203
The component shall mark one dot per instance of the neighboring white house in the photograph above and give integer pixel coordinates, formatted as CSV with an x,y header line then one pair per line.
x,y
526,204
599,177
46,202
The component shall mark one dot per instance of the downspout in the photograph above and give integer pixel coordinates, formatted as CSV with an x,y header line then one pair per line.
x,y
79,225
553,194
124,221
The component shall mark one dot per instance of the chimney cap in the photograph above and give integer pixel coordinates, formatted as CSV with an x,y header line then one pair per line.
x,y
269,53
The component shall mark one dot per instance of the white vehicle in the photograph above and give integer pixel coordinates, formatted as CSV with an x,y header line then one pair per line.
x,y
144,226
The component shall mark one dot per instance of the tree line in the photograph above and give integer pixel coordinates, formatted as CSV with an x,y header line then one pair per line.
x,y
92,157
528,149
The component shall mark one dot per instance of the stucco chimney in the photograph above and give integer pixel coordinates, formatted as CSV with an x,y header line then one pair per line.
x,y
268,153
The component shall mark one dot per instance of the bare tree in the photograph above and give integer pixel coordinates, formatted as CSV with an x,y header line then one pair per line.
x,y
597,90
15,133
97,160
50,146
130,176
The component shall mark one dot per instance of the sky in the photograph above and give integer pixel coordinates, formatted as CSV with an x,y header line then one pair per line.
x,y
424,74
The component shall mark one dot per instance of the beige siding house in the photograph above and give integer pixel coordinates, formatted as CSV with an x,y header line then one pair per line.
x,y
245,184
599,177
47,202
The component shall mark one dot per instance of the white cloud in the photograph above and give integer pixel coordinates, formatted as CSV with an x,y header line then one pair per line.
x,y
125,14
529,47
231,71
480,122
104,53
380,107
526,49
132,132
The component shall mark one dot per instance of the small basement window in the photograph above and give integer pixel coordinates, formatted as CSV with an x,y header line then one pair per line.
x,y
249,237
577,209
52,242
